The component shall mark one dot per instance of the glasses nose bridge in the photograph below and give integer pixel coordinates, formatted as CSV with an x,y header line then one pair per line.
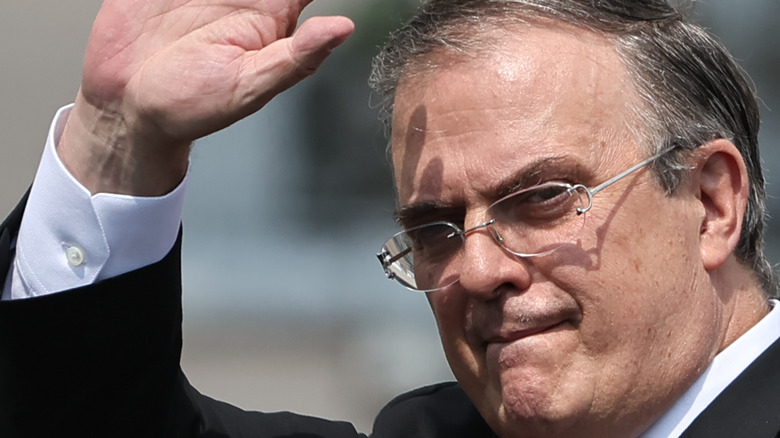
x,y
481,214
485,224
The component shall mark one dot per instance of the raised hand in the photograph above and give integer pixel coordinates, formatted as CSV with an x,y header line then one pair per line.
x,y
159,74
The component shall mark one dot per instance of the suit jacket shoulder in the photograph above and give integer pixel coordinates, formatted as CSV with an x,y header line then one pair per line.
x,y
748,407
103,361
437,411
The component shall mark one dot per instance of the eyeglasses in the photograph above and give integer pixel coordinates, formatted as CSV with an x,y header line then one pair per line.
x,y
528,223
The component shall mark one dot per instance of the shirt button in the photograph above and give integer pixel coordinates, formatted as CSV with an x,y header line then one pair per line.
x,y
76,256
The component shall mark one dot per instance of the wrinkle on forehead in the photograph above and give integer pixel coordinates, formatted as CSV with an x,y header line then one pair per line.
x,y
523,86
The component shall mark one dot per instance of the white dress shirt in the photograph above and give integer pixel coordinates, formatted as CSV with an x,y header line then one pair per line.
x,y
71,238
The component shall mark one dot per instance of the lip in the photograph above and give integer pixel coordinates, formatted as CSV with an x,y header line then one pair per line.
x,y
524,347
515,335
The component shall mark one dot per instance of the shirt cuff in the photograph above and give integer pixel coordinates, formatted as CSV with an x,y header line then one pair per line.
x,y
70,238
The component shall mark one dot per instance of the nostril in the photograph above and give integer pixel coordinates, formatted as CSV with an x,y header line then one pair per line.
x,y
503,290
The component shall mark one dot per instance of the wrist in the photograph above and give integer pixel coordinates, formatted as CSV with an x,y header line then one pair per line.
x,y
102,151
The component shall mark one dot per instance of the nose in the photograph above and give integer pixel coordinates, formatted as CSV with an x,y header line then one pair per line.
x,y
487,268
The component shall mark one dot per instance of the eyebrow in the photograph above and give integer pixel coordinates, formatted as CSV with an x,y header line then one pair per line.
x,y
411,215
529,175
532,174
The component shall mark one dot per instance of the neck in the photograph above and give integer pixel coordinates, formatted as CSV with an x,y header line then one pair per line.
x,y
746,302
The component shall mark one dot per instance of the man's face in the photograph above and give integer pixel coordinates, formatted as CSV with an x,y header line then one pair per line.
x,y
601,336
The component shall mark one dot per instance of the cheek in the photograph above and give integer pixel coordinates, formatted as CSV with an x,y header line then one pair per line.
x,y
450,308
635,254
632,291
637,290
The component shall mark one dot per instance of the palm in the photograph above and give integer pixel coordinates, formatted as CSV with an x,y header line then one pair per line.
x,y
178,70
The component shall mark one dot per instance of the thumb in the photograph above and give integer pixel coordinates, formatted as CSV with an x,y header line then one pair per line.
x,y
316,38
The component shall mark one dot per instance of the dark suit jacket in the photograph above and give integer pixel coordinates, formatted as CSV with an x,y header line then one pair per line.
x,y
103,361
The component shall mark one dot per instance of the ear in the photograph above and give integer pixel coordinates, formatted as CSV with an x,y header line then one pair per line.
x,y
722,181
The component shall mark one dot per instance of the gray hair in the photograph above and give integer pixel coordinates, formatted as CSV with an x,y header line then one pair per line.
x,y
690,88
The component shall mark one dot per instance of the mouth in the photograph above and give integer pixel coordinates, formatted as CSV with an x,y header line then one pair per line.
x,y
540,344
511,336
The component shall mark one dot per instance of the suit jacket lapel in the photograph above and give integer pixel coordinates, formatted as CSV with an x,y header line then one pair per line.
x,y
9,229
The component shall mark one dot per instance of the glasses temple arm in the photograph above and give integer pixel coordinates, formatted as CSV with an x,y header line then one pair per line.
x,y
624,174
386,260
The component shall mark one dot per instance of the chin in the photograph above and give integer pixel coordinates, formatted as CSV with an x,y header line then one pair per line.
x,y
538,407
513,424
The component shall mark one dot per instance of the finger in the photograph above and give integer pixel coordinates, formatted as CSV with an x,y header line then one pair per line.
x,y
286,62
300,5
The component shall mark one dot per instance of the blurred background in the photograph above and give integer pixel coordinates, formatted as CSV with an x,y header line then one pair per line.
x,y
286,307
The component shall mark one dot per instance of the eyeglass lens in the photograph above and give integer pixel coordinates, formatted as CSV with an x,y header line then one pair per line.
x,y
527,223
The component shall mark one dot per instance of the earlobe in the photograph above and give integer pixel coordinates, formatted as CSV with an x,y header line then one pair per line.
x,y
722,180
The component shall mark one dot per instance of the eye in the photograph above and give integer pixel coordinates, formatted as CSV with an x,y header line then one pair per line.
x,y
427,236
433,241
539,205
544,194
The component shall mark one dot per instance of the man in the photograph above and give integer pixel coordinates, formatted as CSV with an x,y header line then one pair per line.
x,y
509,116
579,188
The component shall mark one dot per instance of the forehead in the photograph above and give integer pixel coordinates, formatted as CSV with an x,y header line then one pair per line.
x,y
533,93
